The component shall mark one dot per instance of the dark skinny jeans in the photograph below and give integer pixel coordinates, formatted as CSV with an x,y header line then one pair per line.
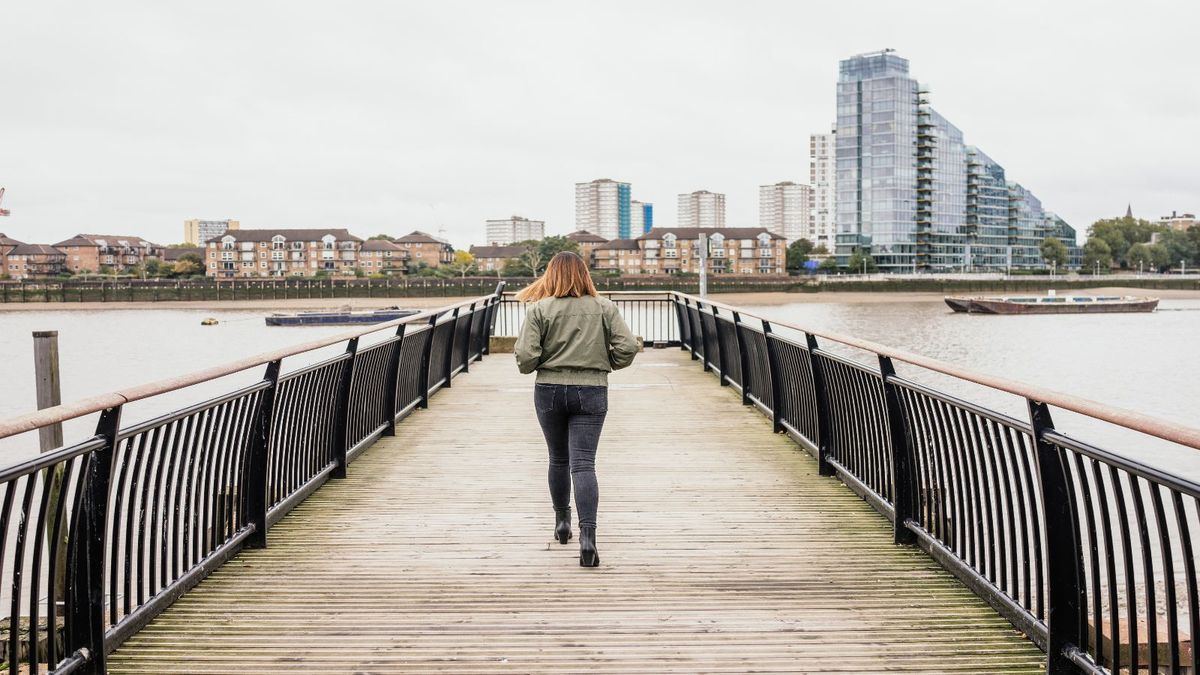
x,y
572,417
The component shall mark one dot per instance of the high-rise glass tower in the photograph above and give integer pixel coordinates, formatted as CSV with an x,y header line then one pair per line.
x,y
910,193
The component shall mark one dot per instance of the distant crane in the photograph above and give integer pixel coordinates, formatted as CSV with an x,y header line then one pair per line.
x,y
3,212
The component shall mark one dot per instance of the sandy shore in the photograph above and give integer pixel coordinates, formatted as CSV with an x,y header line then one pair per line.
x,y
766,298
860,297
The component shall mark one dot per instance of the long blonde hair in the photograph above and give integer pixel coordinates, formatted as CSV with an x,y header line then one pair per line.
x,y
566,275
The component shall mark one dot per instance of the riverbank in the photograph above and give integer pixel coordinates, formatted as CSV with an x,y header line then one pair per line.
x,y
745,298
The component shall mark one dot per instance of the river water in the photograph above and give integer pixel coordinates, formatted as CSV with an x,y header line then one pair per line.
x,y
1144,362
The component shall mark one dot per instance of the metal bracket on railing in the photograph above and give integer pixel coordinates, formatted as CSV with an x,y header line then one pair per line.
x,y
704,355
821,391
1064,559
254,498
85,587
341,440
448,366
466,352
904,487
722,358
389,387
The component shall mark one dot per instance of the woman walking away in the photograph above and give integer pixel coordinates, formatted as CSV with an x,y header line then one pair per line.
x,y
573,338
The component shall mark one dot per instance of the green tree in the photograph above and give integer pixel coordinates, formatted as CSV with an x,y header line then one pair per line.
x,y
860,261
1179,245
1054,252
797,254
188,265
381,237
1121,234
551,246
1097,254
1140,256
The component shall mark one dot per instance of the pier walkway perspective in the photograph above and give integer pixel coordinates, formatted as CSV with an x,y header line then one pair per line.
x,y
767,504
721,550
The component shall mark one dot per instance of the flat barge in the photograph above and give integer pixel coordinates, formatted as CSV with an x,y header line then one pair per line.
x,y
343,317
1052,304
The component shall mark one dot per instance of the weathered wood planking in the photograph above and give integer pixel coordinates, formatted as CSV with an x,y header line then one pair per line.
x,y
722,551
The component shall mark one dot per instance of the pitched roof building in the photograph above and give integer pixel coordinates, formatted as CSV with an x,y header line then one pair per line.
x,y
279,253
34,260
492,258
425,249
118,252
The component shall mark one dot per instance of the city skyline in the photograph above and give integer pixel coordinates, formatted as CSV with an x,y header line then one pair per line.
x,y
165,141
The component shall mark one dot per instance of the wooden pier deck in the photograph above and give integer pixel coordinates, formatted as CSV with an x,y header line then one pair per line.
x,y
722,551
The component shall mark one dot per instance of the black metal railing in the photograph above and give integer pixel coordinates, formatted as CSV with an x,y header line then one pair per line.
x,y
98,537
1091,553
651,316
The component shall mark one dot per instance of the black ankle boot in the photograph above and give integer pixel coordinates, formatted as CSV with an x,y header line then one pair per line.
x,y
562,525
588,557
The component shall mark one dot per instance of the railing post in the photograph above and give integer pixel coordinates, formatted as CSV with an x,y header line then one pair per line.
x,y
703,337
85,592
466,355
426,357
448,366
773,366
904,487
681,317
743,357
389,387
821,395
341,437
255,495
1064,560
722,357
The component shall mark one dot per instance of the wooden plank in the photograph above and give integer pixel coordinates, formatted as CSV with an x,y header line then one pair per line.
x,y
722,550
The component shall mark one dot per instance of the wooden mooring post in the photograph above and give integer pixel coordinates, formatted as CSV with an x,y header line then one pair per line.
x,y
50,437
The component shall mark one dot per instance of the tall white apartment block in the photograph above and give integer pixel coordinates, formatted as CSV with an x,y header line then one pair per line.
x,y
823,178
786,209
602,207
514,229
702,209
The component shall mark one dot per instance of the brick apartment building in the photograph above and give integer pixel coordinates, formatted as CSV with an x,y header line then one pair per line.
x,y
673,250
118,253
587,244
381,256
282,253
25,261
7,244
423,248
490,259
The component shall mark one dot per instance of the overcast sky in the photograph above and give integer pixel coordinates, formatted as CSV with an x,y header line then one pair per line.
x,y
127,118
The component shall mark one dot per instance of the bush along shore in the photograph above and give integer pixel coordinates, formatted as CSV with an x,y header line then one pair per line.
x,y
209,290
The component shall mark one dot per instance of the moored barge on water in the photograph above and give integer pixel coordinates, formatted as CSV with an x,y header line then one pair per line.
x,y
340,317
1052,304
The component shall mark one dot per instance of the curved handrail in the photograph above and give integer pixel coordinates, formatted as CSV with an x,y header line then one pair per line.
x,y
1157,427
93,404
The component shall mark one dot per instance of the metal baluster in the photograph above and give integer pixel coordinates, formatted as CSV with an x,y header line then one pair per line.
x,y
821,391
744,357
341,438
1063,558
773,366
904,478
254,497
448,366
85,568
389,386
423,377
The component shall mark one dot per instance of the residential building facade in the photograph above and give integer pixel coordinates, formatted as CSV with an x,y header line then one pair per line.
x,y
702,209
604,206
107,252
822,174
675,250
1176,221
196,232
587,244
511,230
422,248
909,191
7,244
491,259
381,256
785,208
282,253
30,261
